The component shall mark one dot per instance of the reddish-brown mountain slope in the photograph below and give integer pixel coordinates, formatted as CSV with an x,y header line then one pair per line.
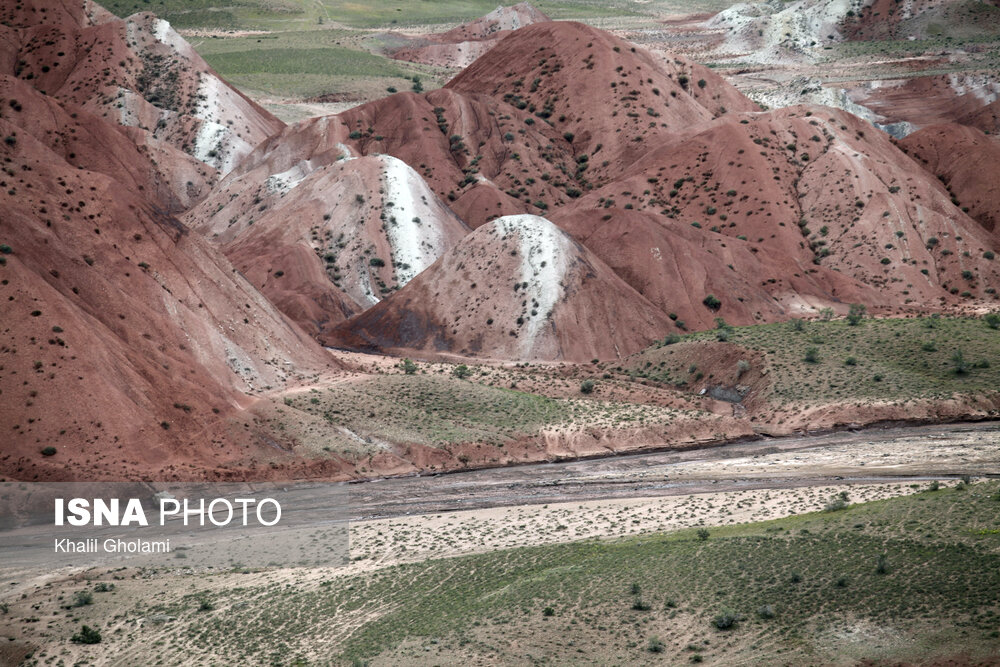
x,y
460,46
516,288
611,100
678,267
128,343
478,154
967,162
154,169
138,72
813,185
325,241
963,98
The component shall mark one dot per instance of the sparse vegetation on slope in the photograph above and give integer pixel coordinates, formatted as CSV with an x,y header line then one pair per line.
x,y
819,362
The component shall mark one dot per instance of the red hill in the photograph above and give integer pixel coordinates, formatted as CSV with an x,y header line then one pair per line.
x,y
516,288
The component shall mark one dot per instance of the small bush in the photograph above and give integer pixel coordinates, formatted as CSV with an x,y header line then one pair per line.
x,y
548,611
766,611
87,635
587,387
836,505
712,302
48,451
882,565
992,320
727,620
812,355
656,645
958,363
409,367
703,534
82,598
855,314
640,605
461,371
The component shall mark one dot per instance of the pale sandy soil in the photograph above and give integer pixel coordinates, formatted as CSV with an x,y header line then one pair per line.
x,y
379,543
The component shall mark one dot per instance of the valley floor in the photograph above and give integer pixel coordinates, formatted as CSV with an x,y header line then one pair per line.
x,y
616,550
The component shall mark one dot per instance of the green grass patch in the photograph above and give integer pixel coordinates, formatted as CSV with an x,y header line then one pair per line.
x,y
438,411
325,61
902,578
879,359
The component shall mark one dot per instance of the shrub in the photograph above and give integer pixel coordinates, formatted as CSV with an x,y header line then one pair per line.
x,y
548,611
934,486
766,611
836,505
992,320
204,604
48,451
461,371
958,363
587,387
812,355
409,367
742,366
988,254
929,346
5,249
87,635
82,598
376,261
568,136
882,565
703,534
727,620
640,605
711,302
656,645
671,339
855,314
851,361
